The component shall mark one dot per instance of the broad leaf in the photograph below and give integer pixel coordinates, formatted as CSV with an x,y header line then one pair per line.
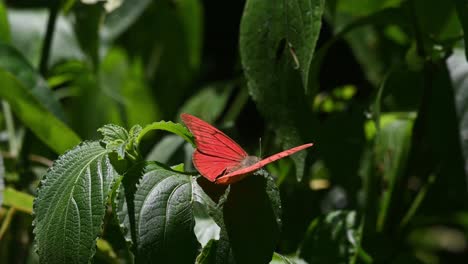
x,y
35,116
207,255
70,205
252,218
158,213
277,41
331,238
13,62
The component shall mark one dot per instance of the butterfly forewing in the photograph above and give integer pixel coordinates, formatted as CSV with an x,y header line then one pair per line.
x,y
216,152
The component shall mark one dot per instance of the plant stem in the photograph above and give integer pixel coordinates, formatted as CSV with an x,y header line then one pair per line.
x,y
53,13
13,145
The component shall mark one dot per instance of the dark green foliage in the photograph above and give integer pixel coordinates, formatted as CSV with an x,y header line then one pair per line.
x,y
379,87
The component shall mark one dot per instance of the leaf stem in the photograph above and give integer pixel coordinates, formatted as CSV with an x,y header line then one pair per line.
x,y
13,144
7,221
45,53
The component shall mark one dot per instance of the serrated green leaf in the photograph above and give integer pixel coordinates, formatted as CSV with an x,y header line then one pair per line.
x,y
277,41
330,238
70,205
13,62
158,213
35,116
168,126
113,133
19,200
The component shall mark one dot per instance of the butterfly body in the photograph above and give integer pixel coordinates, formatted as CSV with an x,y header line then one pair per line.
x,y
219,158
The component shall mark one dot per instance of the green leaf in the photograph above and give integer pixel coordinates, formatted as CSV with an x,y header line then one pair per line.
x,y
123,78
71,204
158,213
458,68
168,126
462,12
19,200
280,259
165,148
123,17
28,37
13,62
216,94
115,138
392,147
207,255
277,41
4,26
87,25
270,29
35,116
176,48
251,216
2,184
331,238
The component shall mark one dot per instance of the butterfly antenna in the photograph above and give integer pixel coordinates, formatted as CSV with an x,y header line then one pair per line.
x,y
260,143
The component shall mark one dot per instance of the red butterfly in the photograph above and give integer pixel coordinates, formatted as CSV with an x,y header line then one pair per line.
x,y
221,160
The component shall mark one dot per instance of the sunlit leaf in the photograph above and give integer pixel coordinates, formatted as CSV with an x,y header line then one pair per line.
x,y
70,205
34,115
19,200
175,128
